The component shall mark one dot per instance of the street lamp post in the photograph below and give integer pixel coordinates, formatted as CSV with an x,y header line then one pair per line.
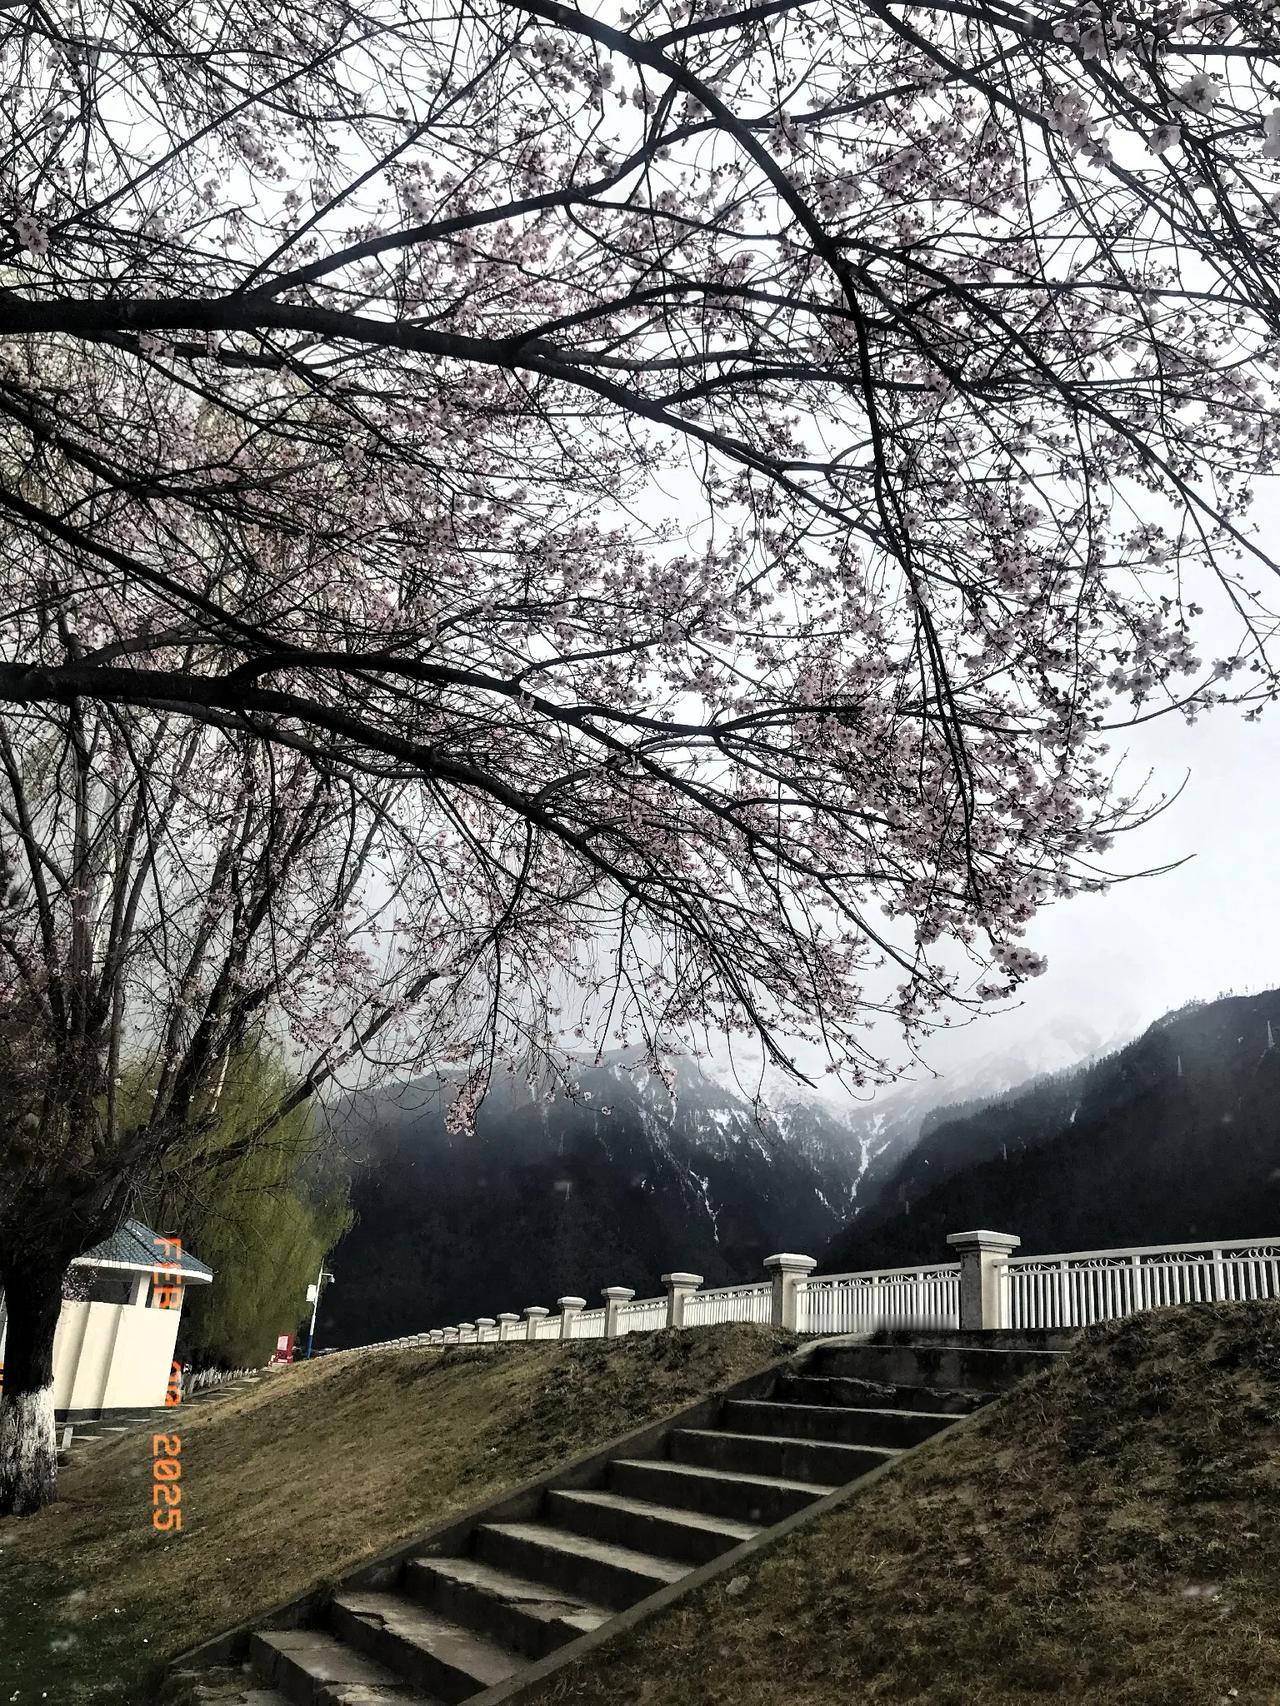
x,y
313,1298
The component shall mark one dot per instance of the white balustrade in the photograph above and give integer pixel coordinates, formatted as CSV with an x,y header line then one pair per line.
x,y
1102,1285
890,1297
728,1303
645,1315
615,1296
1024,1293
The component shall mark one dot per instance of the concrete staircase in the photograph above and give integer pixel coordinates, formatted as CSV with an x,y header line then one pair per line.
x,y
467,1616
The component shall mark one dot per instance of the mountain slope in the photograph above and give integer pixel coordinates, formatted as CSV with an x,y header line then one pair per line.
x,y
1175,1137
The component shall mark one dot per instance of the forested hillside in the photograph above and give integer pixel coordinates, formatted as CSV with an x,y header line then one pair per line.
x,y
566,1197
1174,1137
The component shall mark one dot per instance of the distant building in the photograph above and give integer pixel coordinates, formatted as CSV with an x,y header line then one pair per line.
x,y
113,1348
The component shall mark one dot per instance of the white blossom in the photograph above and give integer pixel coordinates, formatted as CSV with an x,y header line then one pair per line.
x,y
32,235
1199,93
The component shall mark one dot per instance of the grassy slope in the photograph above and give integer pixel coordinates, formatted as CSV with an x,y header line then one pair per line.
x,y
1109,1534
304,1476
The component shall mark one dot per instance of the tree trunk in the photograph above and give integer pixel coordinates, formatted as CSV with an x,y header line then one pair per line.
x,y
28,1444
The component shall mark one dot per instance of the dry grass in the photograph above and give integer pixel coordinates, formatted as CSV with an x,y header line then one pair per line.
x,y
294,1482
1107,1535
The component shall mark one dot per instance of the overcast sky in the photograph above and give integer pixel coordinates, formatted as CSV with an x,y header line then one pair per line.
x,y
1119,960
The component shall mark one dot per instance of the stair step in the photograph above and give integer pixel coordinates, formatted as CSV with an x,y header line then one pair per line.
x,y
420,1645
610,1575
765,1499
998,1338
312,1668
527,1616
225,1686
228,1688
687,1536
963,1368
848,1393
854,1426
766,1454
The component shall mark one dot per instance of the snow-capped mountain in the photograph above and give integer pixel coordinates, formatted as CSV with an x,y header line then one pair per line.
x,y
1174,1136
615,1187
895,1124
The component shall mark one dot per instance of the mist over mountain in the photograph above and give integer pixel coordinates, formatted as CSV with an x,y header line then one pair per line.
x,y
901,1117
1174,1137
556,1198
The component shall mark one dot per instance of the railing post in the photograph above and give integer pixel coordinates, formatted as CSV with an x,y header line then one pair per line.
x,y
570,1309
680,1288
983,1299
464,1328
483,1324
614,1297
532,1315
790,1274
508,1320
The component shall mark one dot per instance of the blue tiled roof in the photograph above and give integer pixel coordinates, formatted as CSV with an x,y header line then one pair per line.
x,y
134,1245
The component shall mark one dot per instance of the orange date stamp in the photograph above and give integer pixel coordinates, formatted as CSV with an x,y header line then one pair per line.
x,y
166,1488
166,1449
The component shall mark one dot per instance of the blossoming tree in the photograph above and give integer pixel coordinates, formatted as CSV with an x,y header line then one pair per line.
x,y
697,485
167,895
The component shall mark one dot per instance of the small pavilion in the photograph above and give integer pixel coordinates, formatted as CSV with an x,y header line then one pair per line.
x,y
113,1349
